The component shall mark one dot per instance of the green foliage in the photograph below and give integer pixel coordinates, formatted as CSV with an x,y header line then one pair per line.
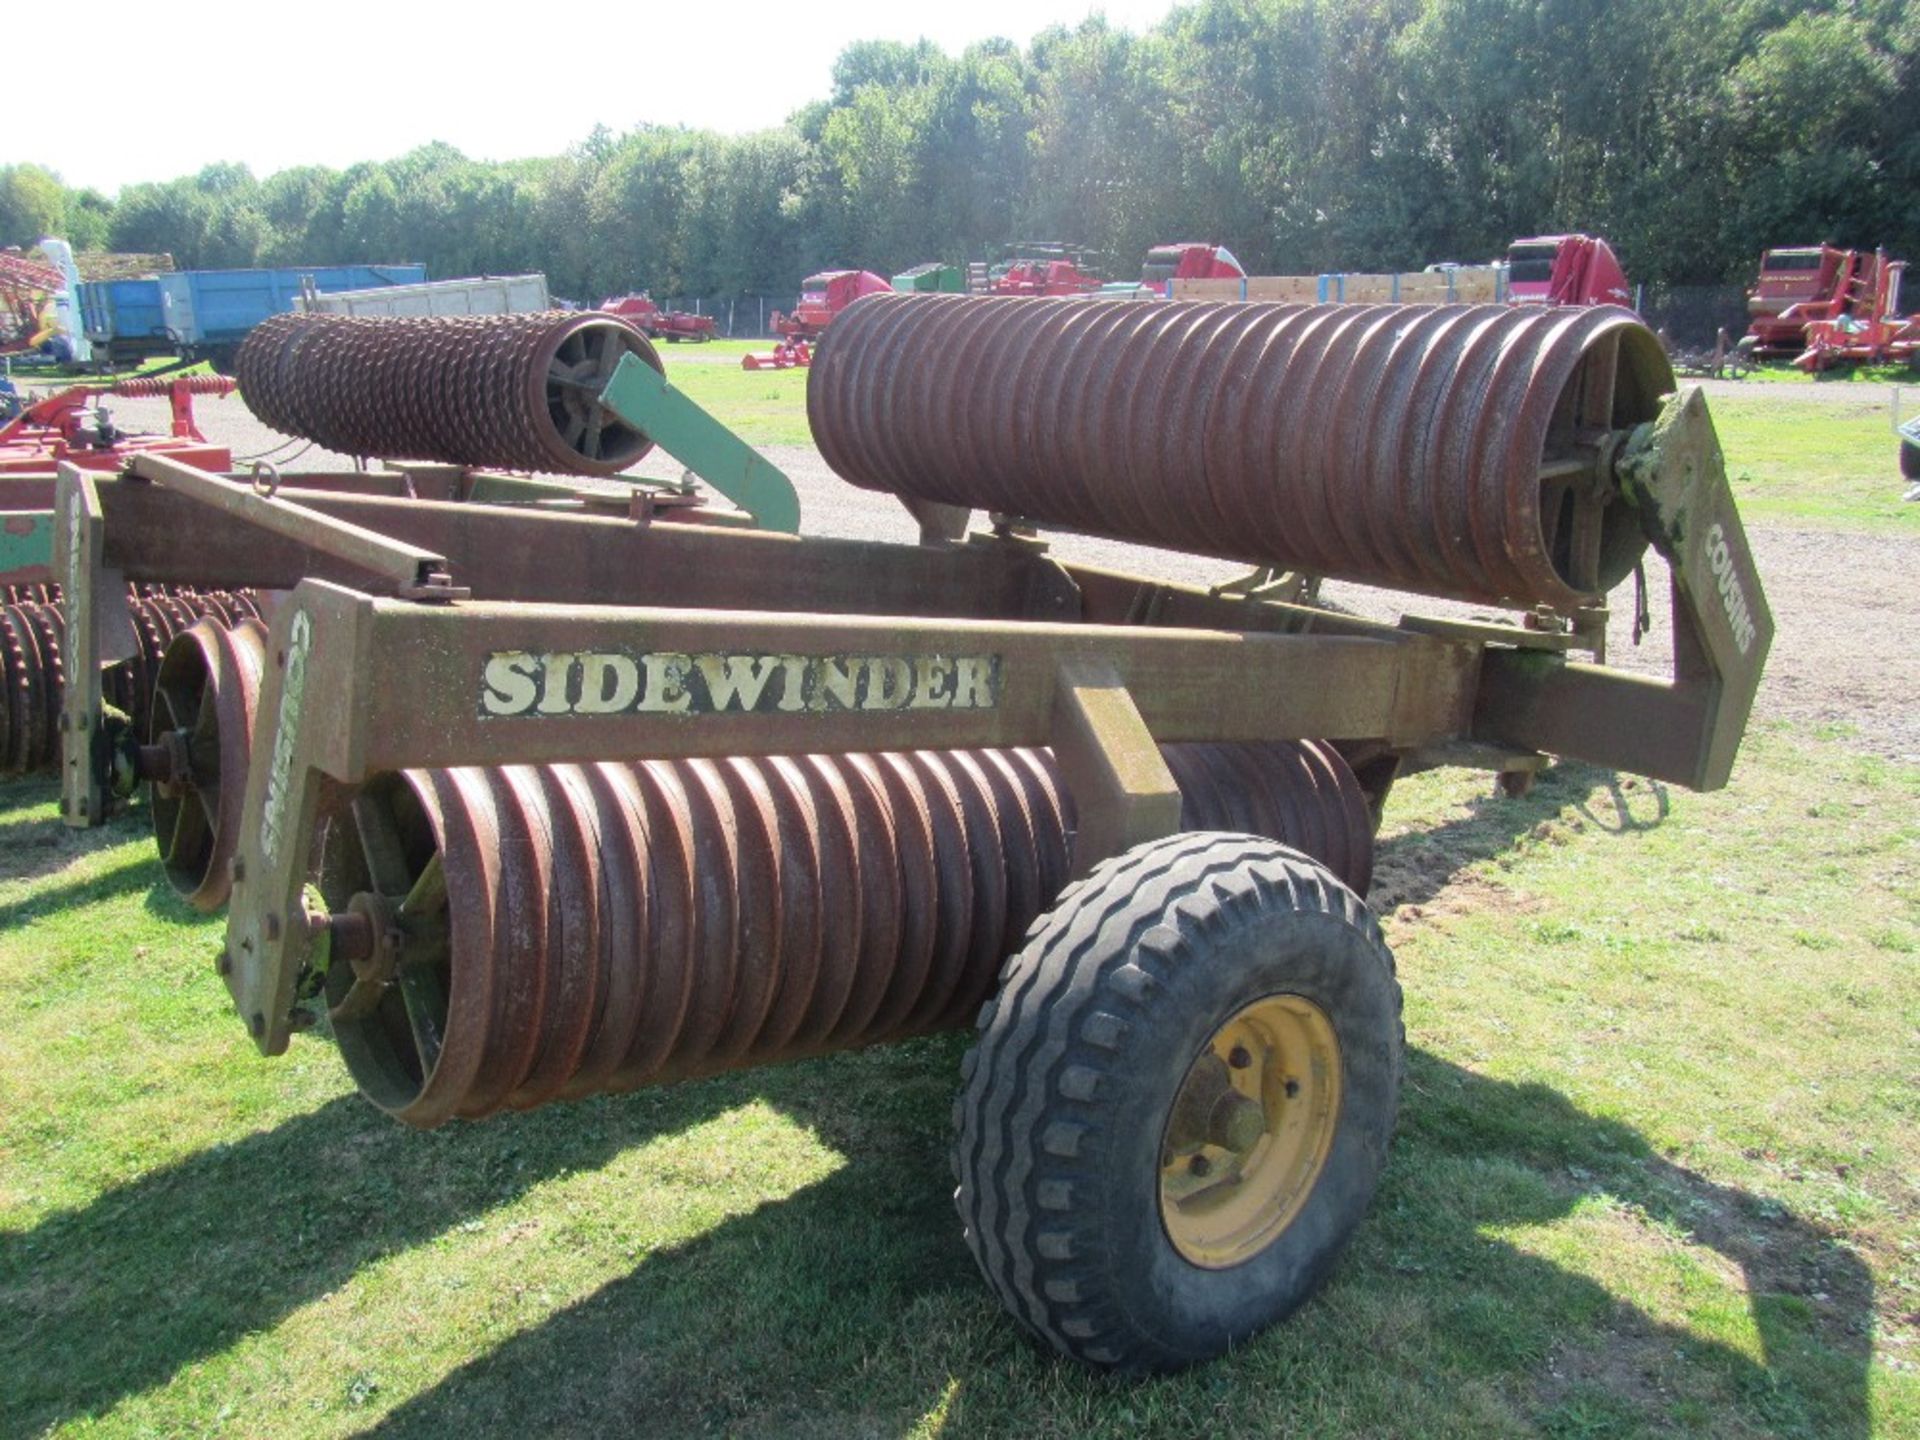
x,y
1373,134
34,204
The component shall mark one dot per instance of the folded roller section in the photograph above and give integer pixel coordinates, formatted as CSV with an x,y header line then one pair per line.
x,y
1451,450
519,392
509,936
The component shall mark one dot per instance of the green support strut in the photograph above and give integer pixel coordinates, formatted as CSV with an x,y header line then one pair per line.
x,y
642,396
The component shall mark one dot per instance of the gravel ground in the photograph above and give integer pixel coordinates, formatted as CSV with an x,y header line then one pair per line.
x,y
1846,606
1869,394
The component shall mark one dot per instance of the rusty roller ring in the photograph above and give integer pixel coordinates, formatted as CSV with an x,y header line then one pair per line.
x,y
197,743
1462,451
568,930
512,391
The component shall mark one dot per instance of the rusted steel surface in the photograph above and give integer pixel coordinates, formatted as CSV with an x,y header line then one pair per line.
x,y
158,387
33,665
515,391
571,929
196,740
1451,450
507,553
31,677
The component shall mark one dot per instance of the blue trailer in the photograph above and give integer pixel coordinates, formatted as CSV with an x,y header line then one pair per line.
x,y
205,314
126,320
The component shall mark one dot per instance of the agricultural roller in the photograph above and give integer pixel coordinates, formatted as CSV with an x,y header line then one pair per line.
x,y
455,447
700,799
33,665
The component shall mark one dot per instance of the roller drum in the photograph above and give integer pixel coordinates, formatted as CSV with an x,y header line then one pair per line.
x,y
1451,450
512,392
33,636
199,725
575,929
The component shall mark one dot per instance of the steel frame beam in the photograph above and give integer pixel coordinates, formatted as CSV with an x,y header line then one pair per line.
x,y
549,684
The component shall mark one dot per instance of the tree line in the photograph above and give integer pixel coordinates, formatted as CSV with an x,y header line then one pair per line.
x,y
1308,135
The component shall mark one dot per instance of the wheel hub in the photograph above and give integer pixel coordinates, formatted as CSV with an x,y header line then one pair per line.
x,y
1249,1131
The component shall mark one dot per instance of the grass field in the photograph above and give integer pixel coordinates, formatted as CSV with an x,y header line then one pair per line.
x,y
1655,1171
1800,460
766,407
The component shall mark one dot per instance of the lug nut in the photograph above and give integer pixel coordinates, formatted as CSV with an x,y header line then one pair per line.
x,y
1238,1057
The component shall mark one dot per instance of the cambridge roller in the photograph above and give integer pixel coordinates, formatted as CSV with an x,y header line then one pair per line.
x,y
33,632
564,930
517,392
1451,450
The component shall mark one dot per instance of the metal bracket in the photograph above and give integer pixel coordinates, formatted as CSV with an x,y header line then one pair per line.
x,y
1269,582
939,524
411,573
642,396
1686,730
99,631
1122,790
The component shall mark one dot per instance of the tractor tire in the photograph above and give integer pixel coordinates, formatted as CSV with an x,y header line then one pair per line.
x,y
1910,460
1181,1101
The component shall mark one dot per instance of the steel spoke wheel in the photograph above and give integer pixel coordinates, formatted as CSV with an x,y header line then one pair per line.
x,y
387,984
200,729
1181,1101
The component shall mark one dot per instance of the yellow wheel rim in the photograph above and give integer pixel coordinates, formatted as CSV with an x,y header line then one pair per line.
x,y
1249,1131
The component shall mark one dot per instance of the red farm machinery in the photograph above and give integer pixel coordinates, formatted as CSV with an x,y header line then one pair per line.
x,y
1050,275
1565,270
1822,306
673,326
1188,260
822,298
25,287
518,805
73,425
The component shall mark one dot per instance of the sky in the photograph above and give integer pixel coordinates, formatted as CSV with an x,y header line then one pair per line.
x,y
160,91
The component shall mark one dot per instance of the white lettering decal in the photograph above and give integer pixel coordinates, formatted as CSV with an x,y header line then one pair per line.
x,y
608,684
930,674
508,686
667,683
737,681
555,671
889,683
973,683
837,681
616,682
293,685
1733,597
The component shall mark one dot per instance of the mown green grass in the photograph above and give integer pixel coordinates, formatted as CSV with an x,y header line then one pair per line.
x,y
1655,1173
764,407
1818,462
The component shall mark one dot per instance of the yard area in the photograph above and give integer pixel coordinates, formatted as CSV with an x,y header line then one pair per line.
x,y
1656,1169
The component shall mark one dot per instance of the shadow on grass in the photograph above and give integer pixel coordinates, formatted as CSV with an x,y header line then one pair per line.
x,y
107,1301
809,1313
852,1307
1414,866
53,899
818,1305
46,845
